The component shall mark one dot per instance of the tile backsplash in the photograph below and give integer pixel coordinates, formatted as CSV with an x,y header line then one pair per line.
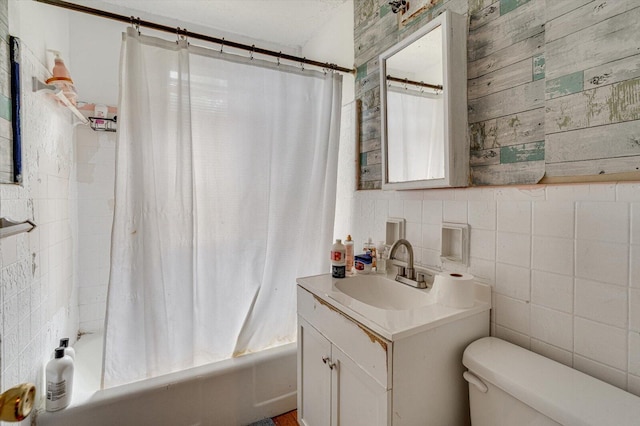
x,y
563,262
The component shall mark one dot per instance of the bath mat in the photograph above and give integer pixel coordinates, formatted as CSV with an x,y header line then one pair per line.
x,y
264,422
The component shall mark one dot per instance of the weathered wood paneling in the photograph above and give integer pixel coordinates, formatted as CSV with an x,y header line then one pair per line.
x,y
586,16
508,174
614,140
509,55
517,99
550,82
604,42
517,25
609,104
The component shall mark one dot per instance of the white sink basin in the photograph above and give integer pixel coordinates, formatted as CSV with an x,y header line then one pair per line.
x,y
383,293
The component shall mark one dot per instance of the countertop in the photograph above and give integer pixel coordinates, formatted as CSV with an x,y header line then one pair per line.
x,y
393,324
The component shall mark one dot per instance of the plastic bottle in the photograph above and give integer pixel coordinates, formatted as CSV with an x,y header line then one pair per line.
x,y
338,260
59,377
61,78
68,350
370,249
348,245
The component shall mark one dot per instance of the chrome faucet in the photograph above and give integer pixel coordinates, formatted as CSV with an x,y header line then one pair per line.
x,y
406,272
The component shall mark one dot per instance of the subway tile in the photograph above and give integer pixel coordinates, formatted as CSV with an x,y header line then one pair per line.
x,y
634,309
9,250
581,192
601,371
513,281
633,384
432,212
514,249
600,221
382,211
559,355
431,258
520,193
635,223
552,290
396,208
554,219
512,336
600,342
514,216
601,261
482,215
413,211
634,353
553,327
513,314
439,194
414,233
601,302
454,211
482,244
553,255
483,270
475,194
93,311
89,295
628,191
431,237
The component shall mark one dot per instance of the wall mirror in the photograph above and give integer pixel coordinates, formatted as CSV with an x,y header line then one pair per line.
x,y
423,91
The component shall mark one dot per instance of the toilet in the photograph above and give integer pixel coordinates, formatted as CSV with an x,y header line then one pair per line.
x,y
509,385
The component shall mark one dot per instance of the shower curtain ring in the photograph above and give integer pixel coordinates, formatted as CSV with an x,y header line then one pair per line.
x,y
279,54
302,63
253,47
135,23
222,45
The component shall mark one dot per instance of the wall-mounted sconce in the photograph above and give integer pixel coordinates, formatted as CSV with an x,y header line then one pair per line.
x,y
399,6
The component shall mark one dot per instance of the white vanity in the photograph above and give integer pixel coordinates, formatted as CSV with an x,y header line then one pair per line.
x,y
372,351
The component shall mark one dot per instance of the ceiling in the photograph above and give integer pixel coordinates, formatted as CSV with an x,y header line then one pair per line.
x,y
282,22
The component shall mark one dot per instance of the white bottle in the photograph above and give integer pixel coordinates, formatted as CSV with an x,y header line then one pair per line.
x,y
68,350
338,260
59,377
348,245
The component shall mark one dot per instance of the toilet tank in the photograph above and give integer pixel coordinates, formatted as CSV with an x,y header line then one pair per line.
x,y
509,385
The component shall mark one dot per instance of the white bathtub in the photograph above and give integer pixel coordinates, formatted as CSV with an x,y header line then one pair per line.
x,y
232,392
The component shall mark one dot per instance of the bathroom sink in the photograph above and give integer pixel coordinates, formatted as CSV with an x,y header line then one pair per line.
x,y
383,293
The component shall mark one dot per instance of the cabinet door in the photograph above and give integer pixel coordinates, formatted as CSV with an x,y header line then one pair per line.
x,y
357,399
314,376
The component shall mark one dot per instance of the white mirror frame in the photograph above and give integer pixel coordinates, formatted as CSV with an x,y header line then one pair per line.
x,y
456,143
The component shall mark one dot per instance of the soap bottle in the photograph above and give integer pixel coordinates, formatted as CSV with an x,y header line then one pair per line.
x,y
370,249
59,377
338,261
348,245
68,350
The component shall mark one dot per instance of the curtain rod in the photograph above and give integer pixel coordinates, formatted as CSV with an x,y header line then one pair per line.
x,y
185,33
414,83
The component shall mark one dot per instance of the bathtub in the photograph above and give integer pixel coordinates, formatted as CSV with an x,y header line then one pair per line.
x,y
232,392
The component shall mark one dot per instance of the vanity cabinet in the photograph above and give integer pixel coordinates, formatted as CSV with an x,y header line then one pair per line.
x,y
333,389
350,373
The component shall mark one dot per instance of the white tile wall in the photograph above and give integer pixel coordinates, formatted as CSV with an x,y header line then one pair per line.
x,y
37,303
95,161
563,261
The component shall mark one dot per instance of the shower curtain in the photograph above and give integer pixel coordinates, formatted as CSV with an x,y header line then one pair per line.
x,y
225,193
415,125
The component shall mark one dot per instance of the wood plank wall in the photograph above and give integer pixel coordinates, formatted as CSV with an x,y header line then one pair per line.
x,y
553,89
6,137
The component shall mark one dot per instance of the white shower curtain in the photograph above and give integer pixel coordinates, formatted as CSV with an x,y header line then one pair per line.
x,y
225,193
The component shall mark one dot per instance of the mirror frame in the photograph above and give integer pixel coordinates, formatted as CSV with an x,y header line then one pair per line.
x,y
456,142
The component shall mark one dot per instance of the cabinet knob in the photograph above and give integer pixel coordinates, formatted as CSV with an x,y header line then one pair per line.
x,y
331,365
325,359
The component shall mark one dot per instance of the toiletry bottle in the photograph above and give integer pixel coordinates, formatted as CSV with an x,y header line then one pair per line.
x,y
381,262
370,248
338,261
348,245
68,350
59,376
